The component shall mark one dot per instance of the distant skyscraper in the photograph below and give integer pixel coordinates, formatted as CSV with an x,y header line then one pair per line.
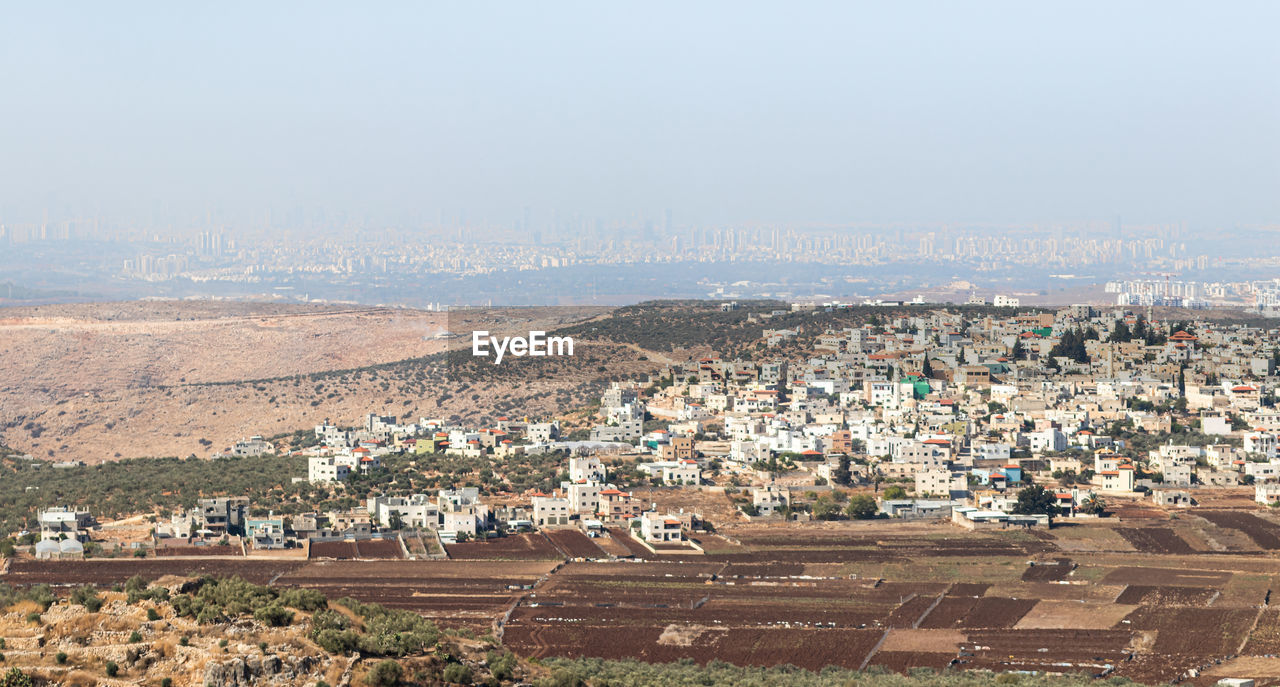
x,y
210,244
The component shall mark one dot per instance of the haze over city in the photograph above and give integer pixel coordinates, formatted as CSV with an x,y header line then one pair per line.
x,y
324,117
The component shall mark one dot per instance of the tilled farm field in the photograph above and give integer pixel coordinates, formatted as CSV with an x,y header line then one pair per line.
x,y
895,595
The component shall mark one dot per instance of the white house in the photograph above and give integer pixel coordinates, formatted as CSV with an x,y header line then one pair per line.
x,y
327,469
549,511
655,527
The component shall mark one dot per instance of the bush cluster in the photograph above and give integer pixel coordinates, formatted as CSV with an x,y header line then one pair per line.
x,y
221,600
381,632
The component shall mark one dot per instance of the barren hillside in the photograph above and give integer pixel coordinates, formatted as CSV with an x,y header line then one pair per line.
x,y
99,382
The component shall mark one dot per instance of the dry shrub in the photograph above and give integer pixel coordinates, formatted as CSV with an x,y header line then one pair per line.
x,y
79,678
77,626
90,622
164,647
25,607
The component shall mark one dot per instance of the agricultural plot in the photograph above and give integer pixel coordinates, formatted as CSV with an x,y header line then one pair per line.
x,y
1057,615
530,546
106,572
1263,533
1054,571
1265,638
981,612
1167,576
1077,651
575,544
1196,632
458,594
1167,595
540,632
356,549
916,596
1076,537
216,550
622,538
1155,540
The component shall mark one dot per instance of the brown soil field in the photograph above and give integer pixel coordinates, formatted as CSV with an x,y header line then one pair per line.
x,y
1057,569
539,632
453,593
198,551
357,549
621,537
110,571
1264,533
1074,537
1265,670
624,571
1155,540
1045,650
612,546
909,614
1166,595
531,546
1152,616
1183,631
1265,638
1167,576
575,544
1133,511
1073,614
341,550
764,569
929,641
968,612
904,661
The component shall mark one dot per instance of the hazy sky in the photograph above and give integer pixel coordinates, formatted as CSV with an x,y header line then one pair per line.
x,y
722,111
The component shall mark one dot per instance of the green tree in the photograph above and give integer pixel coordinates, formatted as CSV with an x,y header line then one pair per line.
x,y
826,509
456,673
16,678
1120,333
384,674
1036,500
1140,329
273,615
1070,345
895,493
861,507
1092,505
88,597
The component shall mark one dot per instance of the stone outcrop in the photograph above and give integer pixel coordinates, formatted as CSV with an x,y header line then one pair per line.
x,y
258,670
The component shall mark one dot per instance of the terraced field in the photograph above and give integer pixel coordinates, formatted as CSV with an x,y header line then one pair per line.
x,y
896,595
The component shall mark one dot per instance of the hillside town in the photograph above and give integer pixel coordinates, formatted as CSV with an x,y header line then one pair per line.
x,y
988,421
